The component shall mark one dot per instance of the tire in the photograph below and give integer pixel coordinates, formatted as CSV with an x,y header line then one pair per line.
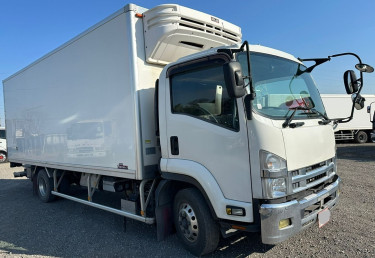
x,y
194,224
3,157
44,186
361,137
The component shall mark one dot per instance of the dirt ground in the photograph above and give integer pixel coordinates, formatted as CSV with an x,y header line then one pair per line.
x,y
64,228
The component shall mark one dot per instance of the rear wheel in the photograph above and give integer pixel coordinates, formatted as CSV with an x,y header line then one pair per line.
x,y
194,224
361,137
44,186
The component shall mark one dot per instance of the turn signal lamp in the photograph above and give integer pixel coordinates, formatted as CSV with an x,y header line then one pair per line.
x,y
235,211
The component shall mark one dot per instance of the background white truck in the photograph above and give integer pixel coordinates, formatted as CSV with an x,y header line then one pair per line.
x,y
162,108
359,128
3,145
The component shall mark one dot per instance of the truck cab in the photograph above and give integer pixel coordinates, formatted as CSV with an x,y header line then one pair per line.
x,y
269,159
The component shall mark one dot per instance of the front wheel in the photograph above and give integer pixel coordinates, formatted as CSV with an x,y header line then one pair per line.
x,y
194,224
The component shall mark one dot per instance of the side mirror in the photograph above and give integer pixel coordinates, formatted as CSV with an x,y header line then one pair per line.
x,y
371,111
234,79
359,102
351,82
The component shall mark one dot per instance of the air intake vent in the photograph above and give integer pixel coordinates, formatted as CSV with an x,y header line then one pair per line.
x,y
219,31
191,44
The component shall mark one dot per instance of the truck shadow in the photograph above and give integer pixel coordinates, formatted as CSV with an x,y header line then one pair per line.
x,y
241,245
65,228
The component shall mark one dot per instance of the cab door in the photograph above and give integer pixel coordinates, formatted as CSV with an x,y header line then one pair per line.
x,y
206,126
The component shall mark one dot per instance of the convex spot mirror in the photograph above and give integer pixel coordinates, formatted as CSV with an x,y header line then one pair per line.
x,y
371,110
234,79
359,102
350,82
365,68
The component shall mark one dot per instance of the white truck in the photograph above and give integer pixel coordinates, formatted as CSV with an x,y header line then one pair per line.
x,y
162,108
359,128
3,145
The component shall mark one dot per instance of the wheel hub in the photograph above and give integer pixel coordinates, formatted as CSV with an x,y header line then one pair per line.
x,y
188,222
42,187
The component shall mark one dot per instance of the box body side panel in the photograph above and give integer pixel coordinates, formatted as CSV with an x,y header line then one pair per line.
x,y
76,107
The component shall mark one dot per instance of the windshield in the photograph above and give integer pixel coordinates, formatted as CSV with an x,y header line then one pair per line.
x,y
279,90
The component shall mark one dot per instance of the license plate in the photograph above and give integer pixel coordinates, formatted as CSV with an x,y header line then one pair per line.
x,y
323,217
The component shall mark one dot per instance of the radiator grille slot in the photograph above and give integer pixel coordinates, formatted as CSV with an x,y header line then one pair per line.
x,y
191,27
190,20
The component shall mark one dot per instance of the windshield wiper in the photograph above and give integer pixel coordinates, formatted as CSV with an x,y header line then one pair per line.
x,y
325,120
290,118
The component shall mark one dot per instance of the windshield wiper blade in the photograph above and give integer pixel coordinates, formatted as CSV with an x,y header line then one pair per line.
x,y
325,119
290,118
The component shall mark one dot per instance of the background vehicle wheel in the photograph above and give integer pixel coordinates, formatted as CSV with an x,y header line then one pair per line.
x,y
44,186
194,224
3,157
361,137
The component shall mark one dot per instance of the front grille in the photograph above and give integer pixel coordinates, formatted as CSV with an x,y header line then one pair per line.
x,y
307,177
313,179
312,210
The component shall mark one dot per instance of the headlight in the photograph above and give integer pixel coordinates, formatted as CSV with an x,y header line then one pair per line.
x,y
274,174
274,187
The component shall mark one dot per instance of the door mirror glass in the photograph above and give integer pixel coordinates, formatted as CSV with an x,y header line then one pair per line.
x,y
234,79
371,111
359,102
351,82
365,68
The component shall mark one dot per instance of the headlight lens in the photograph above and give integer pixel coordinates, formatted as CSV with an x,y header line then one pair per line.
x,y
272,164
274,187
274,174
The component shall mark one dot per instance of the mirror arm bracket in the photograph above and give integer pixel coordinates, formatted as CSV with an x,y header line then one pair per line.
x,y
318,61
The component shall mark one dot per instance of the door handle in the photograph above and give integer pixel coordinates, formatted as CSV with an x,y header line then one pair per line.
x,y
174,145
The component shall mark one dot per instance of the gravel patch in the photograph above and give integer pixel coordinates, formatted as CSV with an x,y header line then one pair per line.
x,y
30,228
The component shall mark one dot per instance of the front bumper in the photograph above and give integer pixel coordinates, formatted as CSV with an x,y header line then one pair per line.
x,y
302,213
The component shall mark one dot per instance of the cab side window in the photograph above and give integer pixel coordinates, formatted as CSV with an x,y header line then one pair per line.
x,y
202,93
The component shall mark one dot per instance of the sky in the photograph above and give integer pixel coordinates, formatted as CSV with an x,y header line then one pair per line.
x,y
30,29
